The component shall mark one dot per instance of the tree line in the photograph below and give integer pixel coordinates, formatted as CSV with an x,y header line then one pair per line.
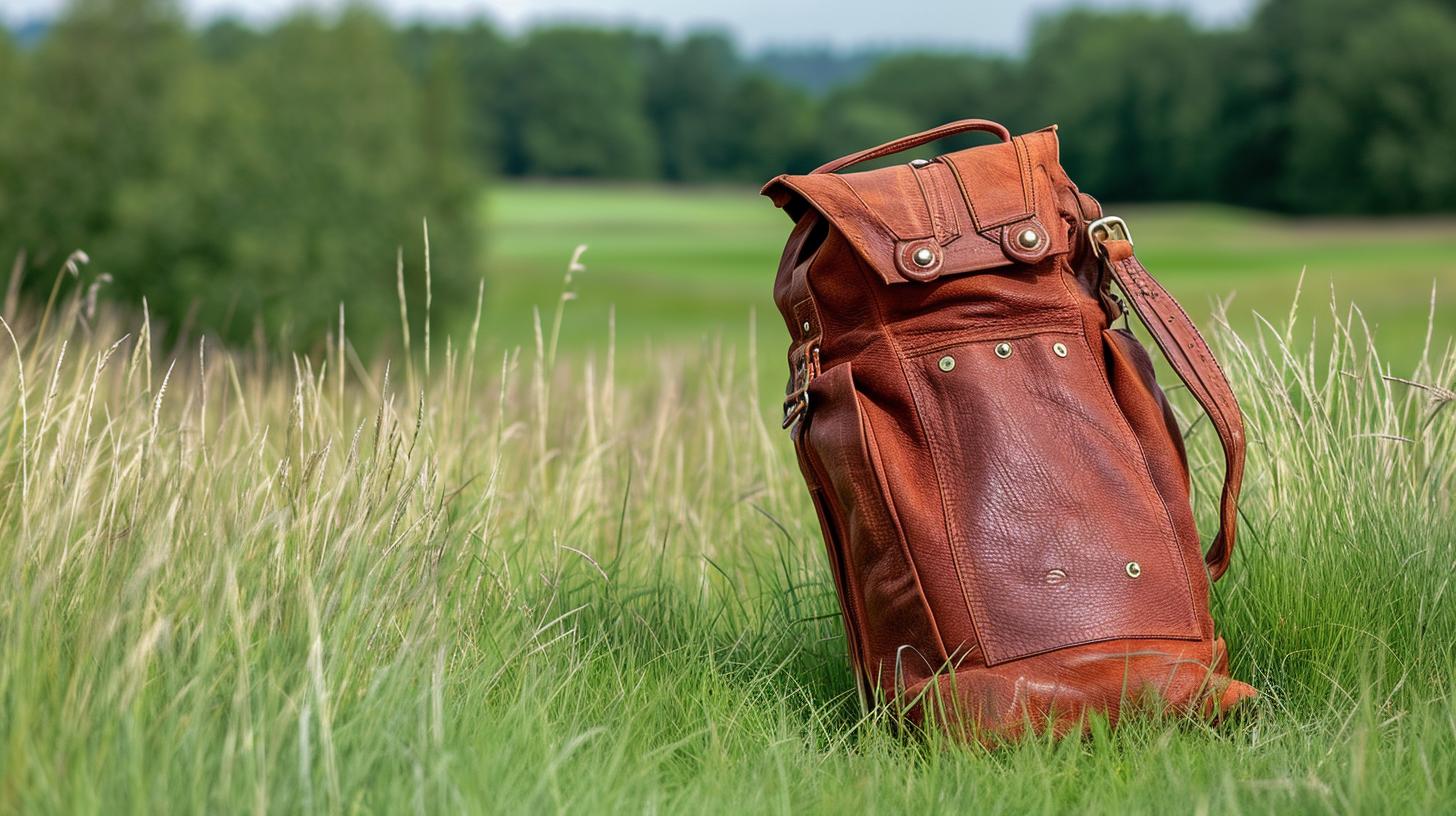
x,y
1311,106
246,179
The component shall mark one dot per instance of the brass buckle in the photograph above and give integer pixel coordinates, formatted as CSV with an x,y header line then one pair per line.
x,y
796,406
1107,228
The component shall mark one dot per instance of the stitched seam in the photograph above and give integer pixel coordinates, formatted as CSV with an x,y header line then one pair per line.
x,y
838,565
1108,639
974,608
853,236
1229,455
1146,471
889,337
965,194
1028,186
940,452
872,447
932,206
1052,324
867,208
938,180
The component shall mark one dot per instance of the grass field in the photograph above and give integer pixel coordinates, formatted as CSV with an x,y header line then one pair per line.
x,y
589,579
682,264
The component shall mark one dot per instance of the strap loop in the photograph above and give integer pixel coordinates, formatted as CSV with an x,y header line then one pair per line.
x,y
916,140
1188,353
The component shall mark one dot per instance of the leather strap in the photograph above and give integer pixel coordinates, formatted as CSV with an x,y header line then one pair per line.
x,y
916,140
1191,358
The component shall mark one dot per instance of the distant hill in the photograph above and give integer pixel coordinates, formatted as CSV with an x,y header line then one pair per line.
x,y
29,32
816,69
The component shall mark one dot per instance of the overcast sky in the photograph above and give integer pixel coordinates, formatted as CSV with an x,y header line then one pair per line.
x,y
994,24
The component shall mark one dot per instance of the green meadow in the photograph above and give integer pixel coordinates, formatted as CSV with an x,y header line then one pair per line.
x,y
679,264
580,574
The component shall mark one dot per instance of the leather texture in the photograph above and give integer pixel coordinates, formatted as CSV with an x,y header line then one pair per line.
x,y
1001,483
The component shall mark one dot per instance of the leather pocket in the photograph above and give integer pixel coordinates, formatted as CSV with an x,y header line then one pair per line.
x,y
1057,531
884,607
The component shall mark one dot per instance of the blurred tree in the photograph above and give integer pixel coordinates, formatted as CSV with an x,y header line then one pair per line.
x,y
1137,96
13,100
916,91
288,184
485,60
577,100
1399,84
936,88
768,128
688,91
1356,101
227,39
476,58
847,124
97,86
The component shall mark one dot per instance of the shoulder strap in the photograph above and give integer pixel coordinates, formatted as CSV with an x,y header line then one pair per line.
x,y
1191,358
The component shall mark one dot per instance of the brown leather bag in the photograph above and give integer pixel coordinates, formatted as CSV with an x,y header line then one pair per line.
x,y
1002,485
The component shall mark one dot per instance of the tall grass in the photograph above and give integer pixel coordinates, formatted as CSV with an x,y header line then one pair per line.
x,y
242,581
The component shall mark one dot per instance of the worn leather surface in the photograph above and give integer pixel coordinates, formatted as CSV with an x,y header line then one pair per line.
x,y
1002,486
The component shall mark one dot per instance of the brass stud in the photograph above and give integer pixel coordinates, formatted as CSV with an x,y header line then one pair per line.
x,y
947,363
919,163
924,256
1028,238
1059,349
1134,569
806,327
1003,350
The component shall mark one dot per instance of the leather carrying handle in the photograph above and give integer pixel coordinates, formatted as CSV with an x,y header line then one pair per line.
x,y
916,140
1188,353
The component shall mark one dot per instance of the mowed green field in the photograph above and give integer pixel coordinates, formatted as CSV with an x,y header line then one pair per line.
x,y
679,264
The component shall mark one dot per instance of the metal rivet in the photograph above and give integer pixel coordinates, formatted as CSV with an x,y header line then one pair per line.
x,y
1134,569
947,363
1029,238
918,163
924,256
1003,350
1059,349
806,327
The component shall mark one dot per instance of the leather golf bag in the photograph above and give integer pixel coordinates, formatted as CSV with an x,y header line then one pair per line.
x,y
1002,485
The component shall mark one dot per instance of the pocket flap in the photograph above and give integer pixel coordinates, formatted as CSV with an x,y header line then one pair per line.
x,y
965,211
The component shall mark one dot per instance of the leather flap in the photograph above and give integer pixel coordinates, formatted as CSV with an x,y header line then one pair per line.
x,y
962,212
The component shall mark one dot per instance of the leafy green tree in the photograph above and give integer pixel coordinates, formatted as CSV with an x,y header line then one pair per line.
x,y
1399,86
227,40
13,102
578,105
937,88
768,128
848,124
915,91
290,180
688,91
1136,96
476,59
96,87
1357,101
